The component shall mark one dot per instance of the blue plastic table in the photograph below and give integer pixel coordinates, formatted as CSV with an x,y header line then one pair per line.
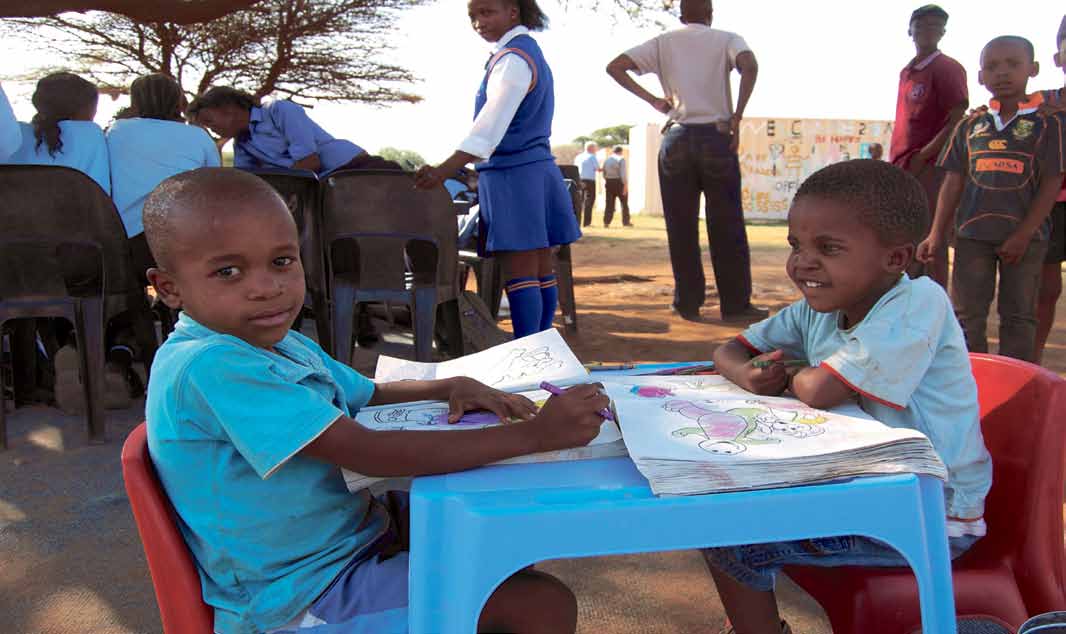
x,y
471,530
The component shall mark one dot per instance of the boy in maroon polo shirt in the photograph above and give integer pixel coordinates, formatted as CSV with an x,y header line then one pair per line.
x,y
1004,170
932,98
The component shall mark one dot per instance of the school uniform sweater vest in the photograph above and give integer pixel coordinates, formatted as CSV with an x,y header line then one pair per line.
x,y
527,137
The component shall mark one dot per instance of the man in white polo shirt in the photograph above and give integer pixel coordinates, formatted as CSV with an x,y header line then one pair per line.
x,y
699,154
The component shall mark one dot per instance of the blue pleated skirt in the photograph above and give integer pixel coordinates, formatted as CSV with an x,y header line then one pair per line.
x,y
524,208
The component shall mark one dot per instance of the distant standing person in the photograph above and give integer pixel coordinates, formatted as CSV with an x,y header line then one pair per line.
x,y
587,166
616,184
877,151
932,98
699,154
277,133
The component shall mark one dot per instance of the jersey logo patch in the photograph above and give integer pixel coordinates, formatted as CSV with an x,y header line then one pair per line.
x,y
1023,129
997,144
1010,166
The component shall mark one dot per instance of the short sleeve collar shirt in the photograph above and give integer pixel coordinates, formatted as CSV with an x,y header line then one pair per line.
x,y
929,89
908,363
280,133
693,65
269,528
1004,161
84,149
587,164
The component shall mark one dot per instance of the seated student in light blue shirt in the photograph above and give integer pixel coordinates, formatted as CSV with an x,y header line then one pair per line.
x,y
250,423
62,132
867,332
278,134
149,143
10,132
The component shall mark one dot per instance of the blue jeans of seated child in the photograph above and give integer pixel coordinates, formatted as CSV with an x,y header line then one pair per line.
x,y
757,565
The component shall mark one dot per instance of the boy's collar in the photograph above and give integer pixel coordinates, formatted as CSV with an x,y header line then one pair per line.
x,y
508,36
288,347
1030,104
927,61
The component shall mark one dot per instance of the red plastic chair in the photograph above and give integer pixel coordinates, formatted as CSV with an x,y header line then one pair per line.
x,y
1016,570
177,584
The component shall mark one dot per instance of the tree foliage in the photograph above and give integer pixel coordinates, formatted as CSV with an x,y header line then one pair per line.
x,y
410,159
330,50
607,137
179,11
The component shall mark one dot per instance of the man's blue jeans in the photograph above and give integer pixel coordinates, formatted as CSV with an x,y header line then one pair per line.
x,y
696,159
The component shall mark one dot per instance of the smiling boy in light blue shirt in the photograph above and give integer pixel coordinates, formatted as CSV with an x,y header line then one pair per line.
x,y
868,333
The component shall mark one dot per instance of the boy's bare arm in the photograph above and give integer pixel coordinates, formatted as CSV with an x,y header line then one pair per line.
x,y
946,204
819,388
919,161
568,420
1014,247
734,361
749,71
619,69
310,162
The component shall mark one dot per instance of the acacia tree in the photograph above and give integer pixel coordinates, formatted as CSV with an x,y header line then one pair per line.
x,y
329,50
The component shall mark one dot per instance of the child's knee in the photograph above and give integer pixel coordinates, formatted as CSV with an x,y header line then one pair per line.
x,y
531,602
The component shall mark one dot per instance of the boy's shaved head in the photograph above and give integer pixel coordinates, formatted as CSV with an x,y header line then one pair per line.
x,y
1012,40
696,10
187,198
884,197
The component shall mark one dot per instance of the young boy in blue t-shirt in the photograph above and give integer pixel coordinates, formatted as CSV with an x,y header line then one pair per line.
x,y
868,332
250,423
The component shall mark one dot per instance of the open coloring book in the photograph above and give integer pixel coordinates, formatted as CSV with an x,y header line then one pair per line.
x,y
691,435
686,434
513,366
516,366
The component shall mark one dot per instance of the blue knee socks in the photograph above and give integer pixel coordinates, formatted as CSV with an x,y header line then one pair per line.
x,y
524,296
549,297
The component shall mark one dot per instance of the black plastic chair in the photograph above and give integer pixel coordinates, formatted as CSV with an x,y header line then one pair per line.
x,y
386,241
301,191
32,286
62,206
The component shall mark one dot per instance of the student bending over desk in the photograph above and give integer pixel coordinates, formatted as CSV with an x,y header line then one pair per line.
x,y
868,332
249,424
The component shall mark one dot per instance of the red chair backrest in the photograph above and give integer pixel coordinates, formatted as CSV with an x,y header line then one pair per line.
x,y
1022,410
174,576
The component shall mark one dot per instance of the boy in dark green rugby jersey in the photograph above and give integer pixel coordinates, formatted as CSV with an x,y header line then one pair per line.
x,y
1003,173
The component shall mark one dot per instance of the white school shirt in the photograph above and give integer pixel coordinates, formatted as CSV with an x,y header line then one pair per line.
x,y
10,133
693,64
508,85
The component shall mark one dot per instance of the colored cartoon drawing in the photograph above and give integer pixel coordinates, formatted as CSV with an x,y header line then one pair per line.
x,y
521,363
651,391
399,418
733,430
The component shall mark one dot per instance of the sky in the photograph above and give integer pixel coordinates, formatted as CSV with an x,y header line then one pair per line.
x,y
817,59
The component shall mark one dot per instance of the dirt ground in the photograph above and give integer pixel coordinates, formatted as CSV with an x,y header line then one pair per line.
x,y
71,560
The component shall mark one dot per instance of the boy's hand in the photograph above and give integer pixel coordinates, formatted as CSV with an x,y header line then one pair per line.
x,y
428,177
768,381
468,394
928,248
1014,247
570,419
917,164
662,105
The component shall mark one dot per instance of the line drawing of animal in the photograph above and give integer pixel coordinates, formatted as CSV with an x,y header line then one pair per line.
x,y
730,427
523,362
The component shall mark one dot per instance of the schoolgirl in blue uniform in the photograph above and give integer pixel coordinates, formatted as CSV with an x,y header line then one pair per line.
x,y
525,208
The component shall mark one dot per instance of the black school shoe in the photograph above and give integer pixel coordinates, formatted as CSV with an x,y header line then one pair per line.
x,y
687,314
749,314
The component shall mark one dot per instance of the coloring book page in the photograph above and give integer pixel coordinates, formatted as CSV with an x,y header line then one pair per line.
x,y
516,365
671,418
433,416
